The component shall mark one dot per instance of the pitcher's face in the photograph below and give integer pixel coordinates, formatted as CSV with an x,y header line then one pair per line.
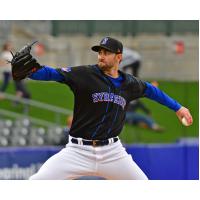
x,y
107,59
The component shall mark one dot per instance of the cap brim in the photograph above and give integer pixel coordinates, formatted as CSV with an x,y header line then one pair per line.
x,y
97,48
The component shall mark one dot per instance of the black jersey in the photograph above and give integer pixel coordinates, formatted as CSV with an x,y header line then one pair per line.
x,y
99,107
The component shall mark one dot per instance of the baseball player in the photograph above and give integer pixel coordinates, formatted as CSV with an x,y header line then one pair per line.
x,y
102,94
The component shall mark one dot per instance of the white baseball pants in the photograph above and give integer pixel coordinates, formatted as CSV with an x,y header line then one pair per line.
x,y
76,160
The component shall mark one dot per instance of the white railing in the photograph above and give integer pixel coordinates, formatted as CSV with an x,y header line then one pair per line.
x,y
26,102
32,119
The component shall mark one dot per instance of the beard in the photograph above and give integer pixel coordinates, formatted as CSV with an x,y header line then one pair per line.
x,y
103,66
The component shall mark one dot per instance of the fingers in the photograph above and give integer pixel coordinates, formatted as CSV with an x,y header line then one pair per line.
x,y
188,118
184,112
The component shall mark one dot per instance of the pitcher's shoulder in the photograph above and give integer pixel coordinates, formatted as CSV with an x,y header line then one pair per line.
x,y
84,67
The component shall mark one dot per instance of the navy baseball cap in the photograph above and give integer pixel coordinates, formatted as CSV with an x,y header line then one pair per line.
x,y
109,44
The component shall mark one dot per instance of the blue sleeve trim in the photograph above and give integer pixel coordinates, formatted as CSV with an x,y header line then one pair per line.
x,y
47,74
156,94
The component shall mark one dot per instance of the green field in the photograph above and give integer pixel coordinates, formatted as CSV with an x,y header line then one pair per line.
x,y
186,93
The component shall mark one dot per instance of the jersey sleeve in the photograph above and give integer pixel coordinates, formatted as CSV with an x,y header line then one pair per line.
x,y
136,87
159,96
72,75
47,74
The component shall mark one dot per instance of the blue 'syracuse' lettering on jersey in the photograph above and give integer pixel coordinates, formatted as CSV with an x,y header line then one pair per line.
x,y
108,97
66,69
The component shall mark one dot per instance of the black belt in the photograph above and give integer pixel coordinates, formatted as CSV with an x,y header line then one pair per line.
x,y
95,142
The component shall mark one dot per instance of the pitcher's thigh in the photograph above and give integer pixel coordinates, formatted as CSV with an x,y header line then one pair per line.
x,y
58,167
122,169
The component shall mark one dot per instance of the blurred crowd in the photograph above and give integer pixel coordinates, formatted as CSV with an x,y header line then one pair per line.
x,y
5,69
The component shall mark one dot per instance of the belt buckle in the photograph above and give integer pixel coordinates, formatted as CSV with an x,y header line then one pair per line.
x,y
94,143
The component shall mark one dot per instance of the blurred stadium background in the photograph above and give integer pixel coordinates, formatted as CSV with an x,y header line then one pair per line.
x,y
32,130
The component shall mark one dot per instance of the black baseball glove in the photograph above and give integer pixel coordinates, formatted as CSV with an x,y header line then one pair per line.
x,y
23,64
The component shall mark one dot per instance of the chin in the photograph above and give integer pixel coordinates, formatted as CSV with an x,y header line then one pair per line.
x,y
103,66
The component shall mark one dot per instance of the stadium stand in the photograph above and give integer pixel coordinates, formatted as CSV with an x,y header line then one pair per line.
x,y
21,132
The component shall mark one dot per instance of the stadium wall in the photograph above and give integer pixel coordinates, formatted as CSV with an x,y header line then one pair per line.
x,y
178,161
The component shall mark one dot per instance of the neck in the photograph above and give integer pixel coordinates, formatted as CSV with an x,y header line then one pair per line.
x,y
113,72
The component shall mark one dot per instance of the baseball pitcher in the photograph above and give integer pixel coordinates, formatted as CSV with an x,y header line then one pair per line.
x,y
102,94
